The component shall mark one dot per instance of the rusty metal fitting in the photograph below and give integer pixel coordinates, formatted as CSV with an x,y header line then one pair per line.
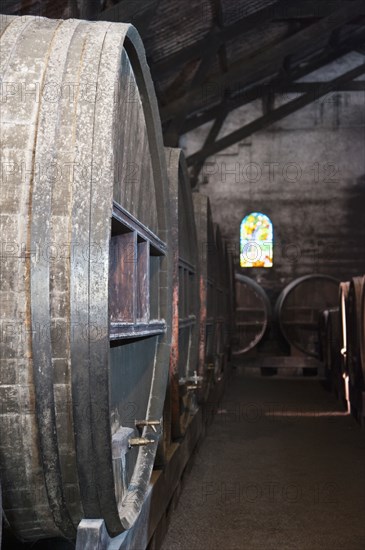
x,y
139,442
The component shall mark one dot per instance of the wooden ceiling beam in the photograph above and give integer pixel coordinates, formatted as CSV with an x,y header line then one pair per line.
x,y
266,64
277,85
137,12
214,39
278,11
274,116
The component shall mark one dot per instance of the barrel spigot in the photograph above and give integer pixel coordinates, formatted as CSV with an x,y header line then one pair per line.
x,y
139,442
151,423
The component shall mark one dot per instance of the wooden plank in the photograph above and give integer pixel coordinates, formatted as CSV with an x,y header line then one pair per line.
x,y
143,276
119,331
123,278
132,224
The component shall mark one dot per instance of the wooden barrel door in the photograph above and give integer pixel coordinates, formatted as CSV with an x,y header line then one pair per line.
x,y
208,270
87,280
184,378
252,314
298,309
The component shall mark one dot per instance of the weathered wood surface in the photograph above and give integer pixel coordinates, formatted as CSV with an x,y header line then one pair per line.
x,y
344,288
221,306
84,168
252,314
186,307
354,324
207,290
298,310
330,340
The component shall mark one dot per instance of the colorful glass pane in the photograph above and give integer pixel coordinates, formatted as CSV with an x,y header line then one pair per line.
x,y
256,241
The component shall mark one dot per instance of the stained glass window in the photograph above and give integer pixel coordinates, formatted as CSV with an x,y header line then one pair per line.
x,y
256,241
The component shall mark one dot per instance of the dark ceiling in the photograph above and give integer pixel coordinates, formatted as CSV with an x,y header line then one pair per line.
x,y
209,57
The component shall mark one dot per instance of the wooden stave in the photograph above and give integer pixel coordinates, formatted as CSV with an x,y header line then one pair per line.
x,y
283,296
221,329
182,404
208,265
335,358
24,27
344,288
160,170
362,328
354,336
266,307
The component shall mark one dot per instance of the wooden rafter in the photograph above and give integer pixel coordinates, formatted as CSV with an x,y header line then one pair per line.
x,y
275,115
265,64
137,12
283,10
171,136
277,85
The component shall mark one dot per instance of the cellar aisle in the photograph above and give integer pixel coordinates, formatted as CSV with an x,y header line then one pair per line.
x,y
281,468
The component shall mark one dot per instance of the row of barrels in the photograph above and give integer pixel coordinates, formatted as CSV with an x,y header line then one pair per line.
x,y
295,317
342,334
116,286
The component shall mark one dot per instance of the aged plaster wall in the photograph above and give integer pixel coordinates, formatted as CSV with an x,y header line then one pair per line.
x,y
307,173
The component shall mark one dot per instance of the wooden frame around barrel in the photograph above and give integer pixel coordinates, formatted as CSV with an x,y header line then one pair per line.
x,y
72,340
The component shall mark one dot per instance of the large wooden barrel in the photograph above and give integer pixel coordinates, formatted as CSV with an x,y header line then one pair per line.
x,y
86,285
252,314
1,517
323,344
344,288
184,361
334,354
330,346
362,328
221,306
231,290
354,336
208,270
298,309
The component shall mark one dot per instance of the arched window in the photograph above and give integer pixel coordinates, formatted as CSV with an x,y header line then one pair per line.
x,y
256,241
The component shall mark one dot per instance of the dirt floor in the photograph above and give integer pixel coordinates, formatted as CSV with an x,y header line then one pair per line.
x,y
281,468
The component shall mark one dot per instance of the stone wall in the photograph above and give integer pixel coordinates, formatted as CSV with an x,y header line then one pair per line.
x,y
307,173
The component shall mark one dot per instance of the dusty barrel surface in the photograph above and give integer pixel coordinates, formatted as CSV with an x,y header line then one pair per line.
x,y
222,288
343,307
208,269
298,309
86,281
330,348
354,324
184,380
334,357
362,329
323,343
252,314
